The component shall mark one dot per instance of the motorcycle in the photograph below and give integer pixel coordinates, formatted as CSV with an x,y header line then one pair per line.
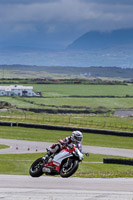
x,y
65,163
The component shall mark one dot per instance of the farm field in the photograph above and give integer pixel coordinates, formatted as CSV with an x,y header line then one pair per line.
x,y
74,105
51,90
75,95
109,103
83,90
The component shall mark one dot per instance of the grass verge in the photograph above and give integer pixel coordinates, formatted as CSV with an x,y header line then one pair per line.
x,y
3,146
19,164
99,121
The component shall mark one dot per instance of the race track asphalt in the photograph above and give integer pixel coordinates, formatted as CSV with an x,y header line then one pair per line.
x,y
22,146
55,188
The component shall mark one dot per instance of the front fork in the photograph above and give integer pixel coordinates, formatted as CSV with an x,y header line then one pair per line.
x,y
68,163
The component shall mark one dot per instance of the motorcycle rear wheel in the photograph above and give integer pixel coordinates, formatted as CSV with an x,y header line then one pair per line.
x,y
36,168
66,172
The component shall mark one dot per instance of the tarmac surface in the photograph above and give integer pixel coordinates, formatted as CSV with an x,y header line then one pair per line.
x,y
15,187
22,146
54,188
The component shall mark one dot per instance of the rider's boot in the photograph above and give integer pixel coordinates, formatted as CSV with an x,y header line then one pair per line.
x,y
52,150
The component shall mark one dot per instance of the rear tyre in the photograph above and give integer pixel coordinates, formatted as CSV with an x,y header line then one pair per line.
x,y
36,168
66,172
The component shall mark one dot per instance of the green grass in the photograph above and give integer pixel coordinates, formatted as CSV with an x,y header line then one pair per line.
x,y
53,136
62,91
83,90
108,103
104,170
19,164
3,146
43,103
101,121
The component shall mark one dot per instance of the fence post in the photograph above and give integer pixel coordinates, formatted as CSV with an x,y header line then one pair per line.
x,y
69,120
62,120
11,115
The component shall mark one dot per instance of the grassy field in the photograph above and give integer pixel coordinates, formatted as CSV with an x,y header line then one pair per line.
x,y
71,103
109,103
100,121
58,99
83,90
60,96
20,164
104,170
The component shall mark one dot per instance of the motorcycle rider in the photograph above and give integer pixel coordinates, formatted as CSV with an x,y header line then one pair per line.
x,y
76,139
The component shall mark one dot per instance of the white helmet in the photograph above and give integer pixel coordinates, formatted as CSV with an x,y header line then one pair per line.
x,y
77,136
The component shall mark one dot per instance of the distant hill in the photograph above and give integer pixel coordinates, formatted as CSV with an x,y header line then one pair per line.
x,y
102,40
32,71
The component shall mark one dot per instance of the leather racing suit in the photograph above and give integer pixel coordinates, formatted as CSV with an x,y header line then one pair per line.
x,y
56,148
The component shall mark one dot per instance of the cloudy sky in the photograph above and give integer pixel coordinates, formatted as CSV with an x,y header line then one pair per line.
x,y
56,23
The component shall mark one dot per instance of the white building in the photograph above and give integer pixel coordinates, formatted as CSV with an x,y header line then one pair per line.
x,y
17,90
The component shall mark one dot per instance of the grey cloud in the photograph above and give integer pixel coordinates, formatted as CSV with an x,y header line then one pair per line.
x,y
49,1
64,19
63,11
26,1
114,2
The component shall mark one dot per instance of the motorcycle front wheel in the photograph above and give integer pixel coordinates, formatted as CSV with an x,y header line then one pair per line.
x,y
36,168
67,171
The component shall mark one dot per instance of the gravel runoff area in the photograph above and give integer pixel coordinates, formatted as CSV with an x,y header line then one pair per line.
x,y
22,146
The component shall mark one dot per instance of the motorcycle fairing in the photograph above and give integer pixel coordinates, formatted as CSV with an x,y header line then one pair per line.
x,y
57,160
61,156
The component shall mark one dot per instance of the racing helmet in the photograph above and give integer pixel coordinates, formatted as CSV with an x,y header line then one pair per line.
x,y
77,136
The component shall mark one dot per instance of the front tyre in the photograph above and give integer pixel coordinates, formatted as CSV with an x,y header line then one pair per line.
x,y
66,171
36,168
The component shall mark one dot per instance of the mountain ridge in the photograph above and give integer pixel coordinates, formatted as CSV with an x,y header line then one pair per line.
x,y
97,40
